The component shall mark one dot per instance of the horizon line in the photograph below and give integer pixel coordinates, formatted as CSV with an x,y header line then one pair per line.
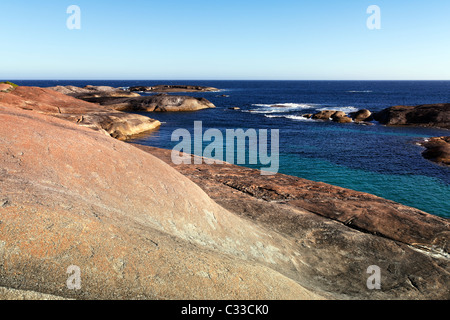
x,y
96,79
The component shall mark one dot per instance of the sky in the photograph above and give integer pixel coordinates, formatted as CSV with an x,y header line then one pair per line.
x,y
225,40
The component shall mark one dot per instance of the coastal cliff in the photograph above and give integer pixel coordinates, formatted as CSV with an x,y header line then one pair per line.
x,y
140,227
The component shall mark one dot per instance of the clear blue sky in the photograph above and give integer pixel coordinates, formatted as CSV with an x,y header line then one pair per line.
x,y
245,39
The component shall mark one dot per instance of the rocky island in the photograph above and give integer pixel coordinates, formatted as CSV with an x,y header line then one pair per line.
x,y
172,88
437,150
123,100
430,115
140,227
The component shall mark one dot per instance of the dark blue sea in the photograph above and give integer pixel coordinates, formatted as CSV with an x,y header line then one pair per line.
x,y
385,161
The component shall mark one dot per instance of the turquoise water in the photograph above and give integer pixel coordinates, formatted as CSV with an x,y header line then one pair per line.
x,y
428,194
384,161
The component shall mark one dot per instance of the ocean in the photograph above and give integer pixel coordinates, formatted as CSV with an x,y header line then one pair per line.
x,y
384,161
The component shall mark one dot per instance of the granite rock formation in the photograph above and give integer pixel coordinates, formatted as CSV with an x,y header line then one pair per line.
x,y
337,233
362,115
156,103
4,87
430,115
107,120
172,88
336,116
437,150
139,227
94,92
135,227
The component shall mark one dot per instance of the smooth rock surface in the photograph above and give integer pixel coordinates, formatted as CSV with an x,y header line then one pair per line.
x,y
135,227
142,228
437,150
156,103
337,233
107,120
362,115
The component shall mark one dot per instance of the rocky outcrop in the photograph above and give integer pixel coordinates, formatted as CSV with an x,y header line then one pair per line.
x,y
323,115
139,227
172,88
340,117
336,116
134,226
121,100
337,233
431,115
107,120
4,87
437,150
94,92
361,115
156,103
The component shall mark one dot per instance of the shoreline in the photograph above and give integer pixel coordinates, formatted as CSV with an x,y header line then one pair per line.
x,y
307,240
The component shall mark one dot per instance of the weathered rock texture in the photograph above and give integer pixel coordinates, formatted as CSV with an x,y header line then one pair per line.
x,y
156,103
336,116
337,233
430,115
437,150
121,100
140,229
362,115
136,227
93,91
4,87
107,120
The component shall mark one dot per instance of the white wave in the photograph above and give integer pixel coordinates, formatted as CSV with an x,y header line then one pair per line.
x,y
361,91
292,117
281,107
264,111
344,109
287,105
